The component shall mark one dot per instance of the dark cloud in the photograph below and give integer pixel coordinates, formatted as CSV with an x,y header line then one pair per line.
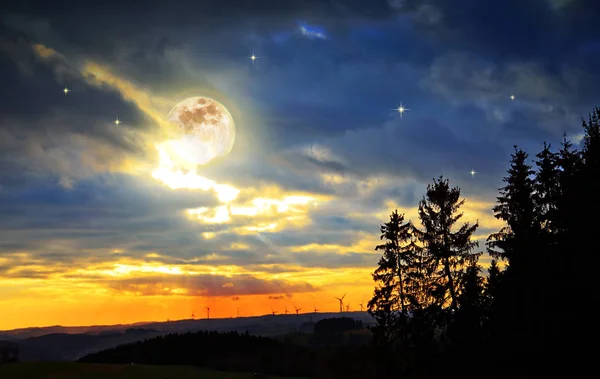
x,y
97,216
207,285
346,260
273,269
36,98
419,148
507,29
218,11
44,133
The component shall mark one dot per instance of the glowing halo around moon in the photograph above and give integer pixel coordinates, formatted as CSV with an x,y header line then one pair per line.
x,y
205,127
205,131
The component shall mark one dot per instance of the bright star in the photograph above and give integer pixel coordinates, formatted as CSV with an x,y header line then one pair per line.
x,y
253,57
117,122
66,91
401,109
512,97
473,172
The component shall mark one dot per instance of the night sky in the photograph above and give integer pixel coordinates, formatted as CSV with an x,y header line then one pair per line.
x,y
88,235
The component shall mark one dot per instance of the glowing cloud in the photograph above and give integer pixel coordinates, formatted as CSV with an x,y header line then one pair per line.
x,y
175,178
45,52
150,105
219,215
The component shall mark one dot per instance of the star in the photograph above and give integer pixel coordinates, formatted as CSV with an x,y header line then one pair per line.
x,y
473,172
401,109
117,122
253,57
66,91
512,97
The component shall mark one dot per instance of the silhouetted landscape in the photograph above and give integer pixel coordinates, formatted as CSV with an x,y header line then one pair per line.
x,y
433,306
71,343
295,189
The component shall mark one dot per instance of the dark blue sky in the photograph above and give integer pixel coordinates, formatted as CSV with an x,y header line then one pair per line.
x,y
314,115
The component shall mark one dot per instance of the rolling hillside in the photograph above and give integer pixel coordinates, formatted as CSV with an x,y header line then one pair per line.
x,y
59,343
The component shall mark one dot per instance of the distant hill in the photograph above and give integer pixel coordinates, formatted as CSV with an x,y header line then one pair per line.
x,y
259,323
23,333
69,347
60,343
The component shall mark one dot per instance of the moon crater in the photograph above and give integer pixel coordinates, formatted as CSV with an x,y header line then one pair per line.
x,y
207,129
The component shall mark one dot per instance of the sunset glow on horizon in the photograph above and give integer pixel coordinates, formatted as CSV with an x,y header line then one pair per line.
x,y
152,165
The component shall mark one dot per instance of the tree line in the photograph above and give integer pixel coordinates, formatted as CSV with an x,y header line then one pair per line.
x,y
435,309
230,351
326,356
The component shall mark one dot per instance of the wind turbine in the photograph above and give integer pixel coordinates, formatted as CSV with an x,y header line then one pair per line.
x,y
297,310
193,315
361,306
207,307
286,311
315,309
273,311
341,300
348,307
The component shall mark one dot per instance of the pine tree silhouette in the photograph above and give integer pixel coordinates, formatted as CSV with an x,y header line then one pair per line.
x,y
439,212
389,295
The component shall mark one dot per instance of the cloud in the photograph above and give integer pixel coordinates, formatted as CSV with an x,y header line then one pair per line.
x,y
312,32
465,79
316,259
206,285
471,25
63,137
67,156
418,148
558,4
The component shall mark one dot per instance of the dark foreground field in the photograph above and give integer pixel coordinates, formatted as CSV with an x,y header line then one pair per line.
x,y
101,371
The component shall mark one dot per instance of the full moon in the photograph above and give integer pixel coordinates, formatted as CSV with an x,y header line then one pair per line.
x,y
207,129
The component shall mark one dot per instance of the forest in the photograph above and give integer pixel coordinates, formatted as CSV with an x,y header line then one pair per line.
x,y
528,316
437,312
324,356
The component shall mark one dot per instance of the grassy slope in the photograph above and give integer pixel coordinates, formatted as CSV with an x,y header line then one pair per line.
x,y
104,371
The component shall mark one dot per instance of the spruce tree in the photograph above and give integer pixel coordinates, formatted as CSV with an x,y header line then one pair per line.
x,y
518,244
389,295
472,290
450,248
589,182
420,284
547,190
515,206
467,326
491,291
492,283
591,143
395,260
570,163
579,257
